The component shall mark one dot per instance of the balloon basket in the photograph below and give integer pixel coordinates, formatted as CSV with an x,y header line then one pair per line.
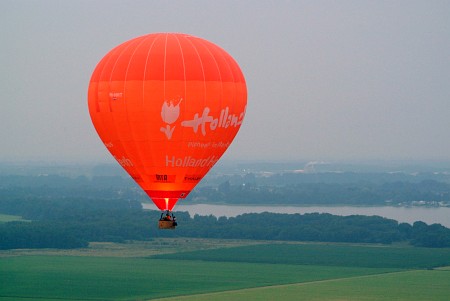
x,y
166,225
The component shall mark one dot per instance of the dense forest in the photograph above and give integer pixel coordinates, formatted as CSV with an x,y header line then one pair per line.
x,y
349,188
74,222
70,210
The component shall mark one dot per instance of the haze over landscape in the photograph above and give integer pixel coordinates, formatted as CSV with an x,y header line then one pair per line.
x,y
337,186
327,80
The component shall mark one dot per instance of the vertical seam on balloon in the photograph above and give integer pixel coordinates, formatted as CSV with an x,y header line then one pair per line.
x,y
207,45
125,104
227,59
184,104
100,77
143,86
112,115
203,73
164,91
116,49
103,64
164,68
203,70
184,70
115,63
204,79
98,112
103,124
145,69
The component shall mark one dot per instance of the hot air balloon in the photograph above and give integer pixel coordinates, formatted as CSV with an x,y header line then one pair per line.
x,y
167,106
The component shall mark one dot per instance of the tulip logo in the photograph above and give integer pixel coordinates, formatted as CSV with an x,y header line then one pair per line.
x,y
170,114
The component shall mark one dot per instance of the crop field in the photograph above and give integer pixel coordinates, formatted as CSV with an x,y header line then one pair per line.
x,y
229,272
416,285
324,255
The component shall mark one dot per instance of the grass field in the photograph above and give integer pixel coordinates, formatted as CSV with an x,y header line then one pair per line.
x,y
136,248
258,272
407,286
63,277
324,255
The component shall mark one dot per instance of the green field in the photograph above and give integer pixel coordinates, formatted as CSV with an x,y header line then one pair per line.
x,y
407,286
257,272
324,255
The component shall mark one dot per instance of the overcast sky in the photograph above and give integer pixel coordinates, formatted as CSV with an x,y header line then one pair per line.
x,y
327,80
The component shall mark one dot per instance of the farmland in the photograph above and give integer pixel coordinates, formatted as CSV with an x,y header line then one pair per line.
x,y
407,285
231,270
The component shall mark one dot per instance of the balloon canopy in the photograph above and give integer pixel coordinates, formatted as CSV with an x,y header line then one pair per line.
x,y
167,106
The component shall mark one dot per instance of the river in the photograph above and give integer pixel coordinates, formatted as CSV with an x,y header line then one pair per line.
x,y
429,215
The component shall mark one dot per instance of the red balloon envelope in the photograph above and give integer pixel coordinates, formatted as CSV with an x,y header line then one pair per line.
x,y
167,106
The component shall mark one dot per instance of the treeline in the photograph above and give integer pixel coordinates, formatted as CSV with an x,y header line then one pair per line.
x,y
361,193
319,227
58,187
72,223
286,188
76,222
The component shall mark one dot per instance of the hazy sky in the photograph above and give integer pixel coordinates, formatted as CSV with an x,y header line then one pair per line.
x,y
327,80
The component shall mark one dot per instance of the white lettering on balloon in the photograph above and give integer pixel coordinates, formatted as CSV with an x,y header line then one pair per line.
x,y
188,161
124,162
203,122
225,120
199,144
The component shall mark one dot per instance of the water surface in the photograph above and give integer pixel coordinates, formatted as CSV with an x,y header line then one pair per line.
x,y
429,215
